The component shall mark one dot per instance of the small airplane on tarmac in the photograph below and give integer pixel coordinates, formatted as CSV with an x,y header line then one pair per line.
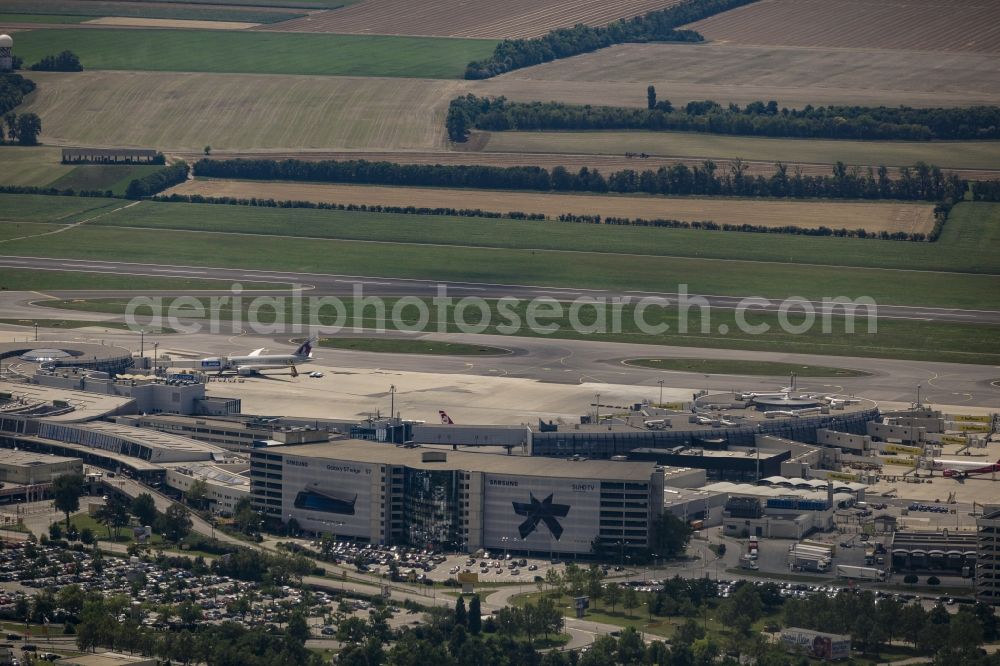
x,y
445,419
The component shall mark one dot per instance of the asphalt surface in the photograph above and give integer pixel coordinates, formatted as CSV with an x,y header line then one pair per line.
x,y
323,283
560,361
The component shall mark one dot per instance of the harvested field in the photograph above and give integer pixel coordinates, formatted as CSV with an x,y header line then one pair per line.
x,y
189,111
915,25
574,162
871,216
793,76
169,23
462,18
983,155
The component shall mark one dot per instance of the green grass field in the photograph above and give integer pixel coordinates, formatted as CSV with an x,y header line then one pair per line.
x,y
973,229
103,177
195,11
718,366
907,339
950,154
77,323
12,279
771,278
35,166
258,52
535,267
19,229
398,346
34,208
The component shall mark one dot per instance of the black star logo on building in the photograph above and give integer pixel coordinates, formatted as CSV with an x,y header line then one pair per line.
x,y
536,512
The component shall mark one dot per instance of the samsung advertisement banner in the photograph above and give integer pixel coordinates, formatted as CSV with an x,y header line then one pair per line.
x,y
327,496
539,514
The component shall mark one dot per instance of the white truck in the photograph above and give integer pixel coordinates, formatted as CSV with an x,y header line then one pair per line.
x,y
860,573
805,558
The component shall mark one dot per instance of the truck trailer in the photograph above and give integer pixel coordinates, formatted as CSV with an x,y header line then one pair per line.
x,y
860,573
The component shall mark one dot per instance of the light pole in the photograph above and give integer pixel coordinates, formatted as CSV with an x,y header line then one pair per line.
x,y
392,402
156,346
36,330
597,402
660,382
142,342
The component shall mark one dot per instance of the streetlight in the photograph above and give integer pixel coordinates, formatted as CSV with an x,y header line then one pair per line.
x,y
392,401
597,402
660,382
156,346
36,330
142,340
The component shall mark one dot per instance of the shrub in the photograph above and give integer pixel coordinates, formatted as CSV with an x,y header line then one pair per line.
x,y
933,580
910,579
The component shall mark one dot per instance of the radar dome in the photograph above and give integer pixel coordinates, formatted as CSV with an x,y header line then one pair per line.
x,y
6,40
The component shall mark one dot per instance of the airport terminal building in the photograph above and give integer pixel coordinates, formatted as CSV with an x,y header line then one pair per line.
x,y
442,499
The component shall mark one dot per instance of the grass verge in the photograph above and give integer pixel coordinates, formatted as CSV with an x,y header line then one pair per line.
x,y
715,366
77,323
397,346
894,338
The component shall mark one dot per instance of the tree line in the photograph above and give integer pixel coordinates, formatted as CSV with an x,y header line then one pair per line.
x,y
157,181
941,212
921,182
755,119
655,26
66,61
986,190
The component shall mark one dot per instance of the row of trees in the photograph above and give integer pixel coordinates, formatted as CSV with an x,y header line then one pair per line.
x,y
948,638
986,190
755,119
157,181
66,61
655,26
108,622
921,182
941,212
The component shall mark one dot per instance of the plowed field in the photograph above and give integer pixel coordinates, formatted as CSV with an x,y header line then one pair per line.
x,y
462,18
915,25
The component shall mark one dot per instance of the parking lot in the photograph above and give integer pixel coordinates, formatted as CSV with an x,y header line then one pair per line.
x,y
420,565
26,569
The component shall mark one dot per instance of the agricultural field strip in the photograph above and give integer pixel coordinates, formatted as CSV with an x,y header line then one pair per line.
x,y
175,111
978,155
794,76
455,18
895,216
972,227
242,51
966,25
187,111
572,161
911,290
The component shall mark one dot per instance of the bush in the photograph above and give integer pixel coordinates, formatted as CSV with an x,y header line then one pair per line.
x,y
157,182
911,579
933,580
67,61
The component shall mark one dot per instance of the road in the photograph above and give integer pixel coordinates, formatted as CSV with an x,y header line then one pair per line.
x,y
344,285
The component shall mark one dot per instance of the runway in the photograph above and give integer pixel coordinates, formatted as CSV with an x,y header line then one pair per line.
x,y
572,369
346,285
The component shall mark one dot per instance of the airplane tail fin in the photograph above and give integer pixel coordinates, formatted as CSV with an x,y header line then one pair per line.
x,y
305,349
445,419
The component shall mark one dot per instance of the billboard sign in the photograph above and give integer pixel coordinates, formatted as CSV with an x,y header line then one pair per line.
x,y
816,644
539,513
328,496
